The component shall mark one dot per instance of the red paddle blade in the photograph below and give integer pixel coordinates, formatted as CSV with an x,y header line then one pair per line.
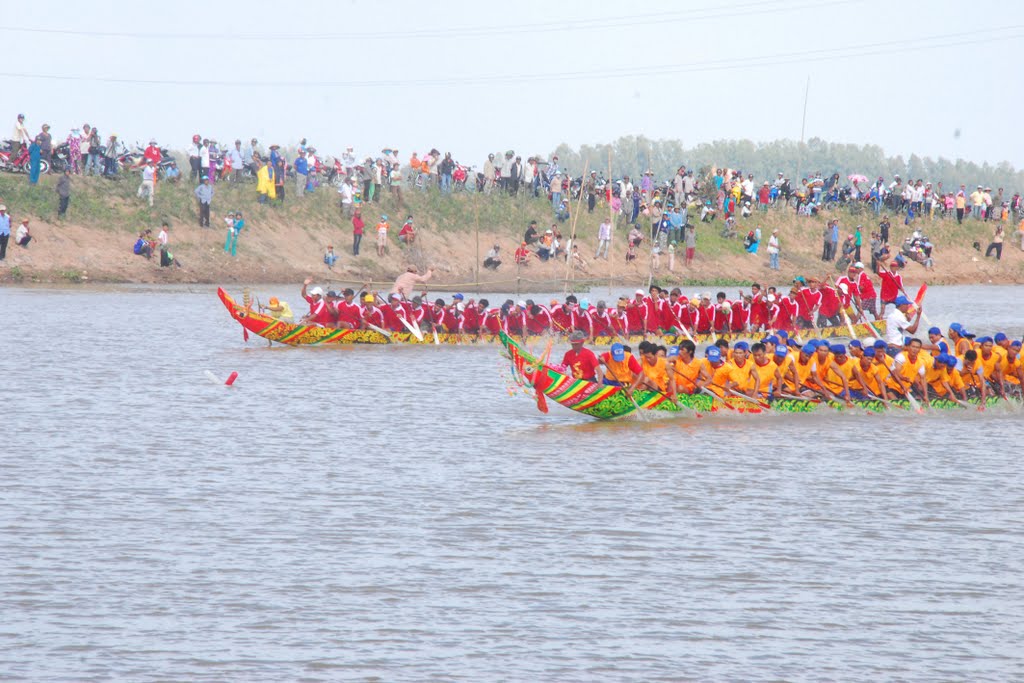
x,y
542,403
920,294
245,334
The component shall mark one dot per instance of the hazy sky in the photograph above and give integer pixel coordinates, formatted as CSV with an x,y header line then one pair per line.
x,y
474,76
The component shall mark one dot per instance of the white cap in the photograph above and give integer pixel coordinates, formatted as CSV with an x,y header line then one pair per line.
x,y
859,264
706,295
843,286
460,307
315,291
640,291
696,296
521,304
771,297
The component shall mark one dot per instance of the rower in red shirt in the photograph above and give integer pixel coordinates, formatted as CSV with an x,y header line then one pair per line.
x,y
892,283
394,313
538,320
807,298
740,317
580,362
444,319
637,313
758,308
561,317
620,317
723,313
471,318
515,318
349,314
490,320
828,311
600,320
865,290
320,313
371,314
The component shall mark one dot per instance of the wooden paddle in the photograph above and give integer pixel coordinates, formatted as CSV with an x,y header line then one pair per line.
x,y
716,397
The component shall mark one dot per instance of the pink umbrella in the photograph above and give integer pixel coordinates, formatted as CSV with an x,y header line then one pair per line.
x,y
857,178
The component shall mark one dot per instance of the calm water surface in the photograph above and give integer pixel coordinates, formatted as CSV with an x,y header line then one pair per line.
x,y
395,514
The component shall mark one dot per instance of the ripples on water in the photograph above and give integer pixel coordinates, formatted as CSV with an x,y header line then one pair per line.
x,y
394,513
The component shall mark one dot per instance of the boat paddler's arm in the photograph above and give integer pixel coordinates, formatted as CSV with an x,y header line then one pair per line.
x,y
757,384
846,383
671,369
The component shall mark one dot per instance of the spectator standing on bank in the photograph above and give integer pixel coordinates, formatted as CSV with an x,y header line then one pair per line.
x,y
20,137
45,141
301,173
773,250
63,193
357,231
148,186
5,228
204,193
604,238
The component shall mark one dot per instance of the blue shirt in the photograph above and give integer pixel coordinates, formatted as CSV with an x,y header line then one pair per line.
x,y
835,233
5,225
301,166
204,193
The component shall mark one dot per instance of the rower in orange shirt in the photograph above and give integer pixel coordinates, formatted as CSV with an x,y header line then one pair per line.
x,y
685,367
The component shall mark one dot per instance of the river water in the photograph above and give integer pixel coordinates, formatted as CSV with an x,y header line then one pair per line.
x,y
396,514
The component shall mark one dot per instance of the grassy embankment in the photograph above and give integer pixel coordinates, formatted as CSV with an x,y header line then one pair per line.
x,y
286,243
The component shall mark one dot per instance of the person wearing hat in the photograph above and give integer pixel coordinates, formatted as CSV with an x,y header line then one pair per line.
x,y
370,314
619,367
382,235
714,373
279,310
408,281
556,190
580,362
320,313
204,194
493,258
152,153
22,236
898,323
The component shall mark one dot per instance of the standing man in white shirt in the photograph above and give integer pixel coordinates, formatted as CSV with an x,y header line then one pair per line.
x,y
604,238
898,323
148,186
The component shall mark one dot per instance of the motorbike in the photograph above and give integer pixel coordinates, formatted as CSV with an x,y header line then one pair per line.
x,y
19,164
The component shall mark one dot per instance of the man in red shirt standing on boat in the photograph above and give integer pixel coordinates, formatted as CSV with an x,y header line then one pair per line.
x,y
892,285
580,362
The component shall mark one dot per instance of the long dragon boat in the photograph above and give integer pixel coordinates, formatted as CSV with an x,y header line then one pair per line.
x,y
611,402
297,334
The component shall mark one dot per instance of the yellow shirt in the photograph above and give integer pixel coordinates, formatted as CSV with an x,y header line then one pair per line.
x,y
873,376
741,376
686,375
803,373
834,382
767,374
935,377
657,372
1010,369
989,365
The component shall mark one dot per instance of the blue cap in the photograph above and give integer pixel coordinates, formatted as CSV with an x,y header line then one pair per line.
x,y
618,352
584,304
951,360
880,344
982,340
814,343
855,344
1015,343
741,346
714,355
902,301
964,332
808,349
869,352
934,330
772,339
458,296
673,351
782,334
956,327
837,349
1000,336
906,341
781,351
793,342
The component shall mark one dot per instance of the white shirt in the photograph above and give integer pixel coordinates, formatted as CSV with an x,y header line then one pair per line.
x,y
895,326
604,231
204,156
21,133
147,174
162,237
346,193
773,245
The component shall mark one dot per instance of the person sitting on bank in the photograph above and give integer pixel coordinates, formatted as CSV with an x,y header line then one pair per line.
x,y
493,261
22,236
143,246
407,235
330,258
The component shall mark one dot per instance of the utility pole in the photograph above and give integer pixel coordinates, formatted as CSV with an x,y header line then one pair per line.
x,y
803,126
